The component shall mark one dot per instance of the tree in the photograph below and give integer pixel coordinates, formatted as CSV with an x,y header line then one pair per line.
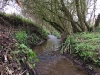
x,y
65,16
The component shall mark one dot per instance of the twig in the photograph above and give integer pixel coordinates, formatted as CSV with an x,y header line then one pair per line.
x,y
30,67
23,72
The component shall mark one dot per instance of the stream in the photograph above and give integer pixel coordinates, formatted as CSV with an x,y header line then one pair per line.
x,y
51,62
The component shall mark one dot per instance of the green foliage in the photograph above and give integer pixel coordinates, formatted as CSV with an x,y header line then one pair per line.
x,y
27,38
21,37
98,29
25,54
85,51
84,46
68,45
87,47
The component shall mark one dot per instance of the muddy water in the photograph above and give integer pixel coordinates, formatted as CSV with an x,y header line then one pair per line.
x,y
52,62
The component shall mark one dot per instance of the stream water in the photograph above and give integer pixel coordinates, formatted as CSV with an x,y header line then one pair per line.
x,y
52,62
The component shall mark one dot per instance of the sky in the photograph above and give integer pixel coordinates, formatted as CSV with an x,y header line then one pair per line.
x,y
12,7
90,12
98,7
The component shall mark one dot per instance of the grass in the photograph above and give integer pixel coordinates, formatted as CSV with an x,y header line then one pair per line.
x,y
87,48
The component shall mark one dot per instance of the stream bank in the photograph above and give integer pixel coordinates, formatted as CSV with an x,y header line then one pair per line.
x,y
16,37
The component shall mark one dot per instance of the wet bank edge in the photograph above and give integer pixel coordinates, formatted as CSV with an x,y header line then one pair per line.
x,y
82,65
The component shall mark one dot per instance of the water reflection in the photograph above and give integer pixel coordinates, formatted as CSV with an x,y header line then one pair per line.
x,y
51,44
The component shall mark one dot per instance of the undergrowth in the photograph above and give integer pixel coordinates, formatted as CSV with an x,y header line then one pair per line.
x,y
21,37
84,46
24,54
27,38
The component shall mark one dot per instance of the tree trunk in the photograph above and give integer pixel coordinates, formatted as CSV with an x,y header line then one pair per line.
x,y
97,21
70,18
79,14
